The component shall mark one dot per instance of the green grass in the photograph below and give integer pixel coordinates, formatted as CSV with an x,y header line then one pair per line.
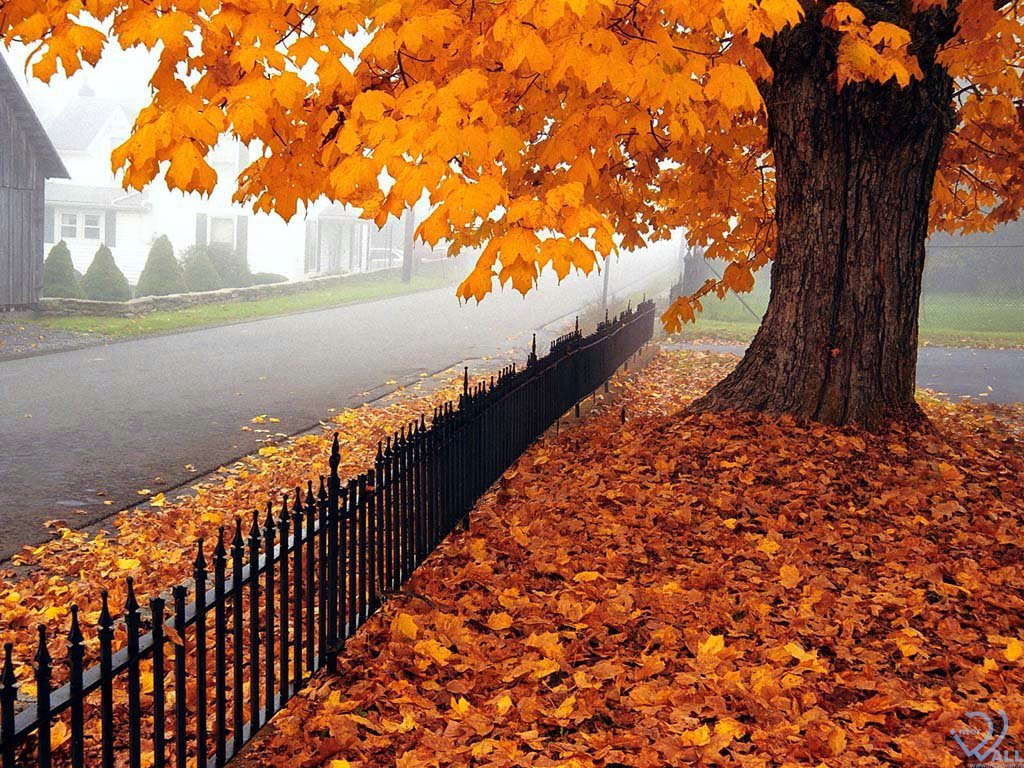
x,y
377,285
946,320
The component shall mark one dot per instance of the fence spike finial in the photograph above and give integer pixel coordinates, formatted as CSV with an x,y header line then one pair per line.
x,y
310,496
105,622
8,680
321,493
335,459
75,636
268,525
533,349
219,551
254,529
200,561
238,541
131,603
42,657
465,379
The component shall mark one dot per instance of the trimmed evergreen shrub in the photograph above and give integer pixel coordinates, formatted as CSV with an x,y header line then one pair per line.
x,y
198,270
162,273
233,267
59,278
103,281
267,278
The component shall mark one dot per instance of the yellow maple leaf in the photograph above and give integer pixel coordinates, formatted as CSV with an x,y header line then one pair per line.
x,y
711,646
565,708
789,576
545,667
404,626
499,621
1014,649
503,704
698,737
433,650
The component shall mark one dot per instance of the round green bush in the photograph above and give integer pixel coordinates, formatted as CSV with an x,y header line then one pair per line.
x,y
162,274
233,267
59,278
267,278
198,270
103,281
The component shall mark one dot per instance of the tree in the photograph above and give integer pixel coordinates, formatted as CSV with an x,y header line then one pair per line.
x,y
821,138
103,281
59,278
231,265
162,274
198,271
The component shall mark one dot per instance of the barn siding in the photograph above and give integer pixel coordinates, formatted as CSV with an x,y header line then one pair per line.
x,y
21,214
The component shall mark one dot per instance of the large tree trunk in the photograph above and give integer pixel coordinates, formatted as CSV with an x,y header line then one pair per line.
x,y
854,174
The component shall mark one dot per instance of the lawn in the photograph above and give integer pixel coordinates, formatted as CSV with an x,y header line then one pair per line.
x,y
376,285
946,319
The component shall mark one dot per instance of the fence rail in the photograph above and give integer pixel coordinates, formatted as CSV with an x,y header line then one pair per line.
x,y
197,678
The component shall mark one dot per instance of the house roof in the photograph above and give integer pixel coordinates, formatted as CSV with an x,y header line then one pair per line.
x,y
95,197
12,95
76,126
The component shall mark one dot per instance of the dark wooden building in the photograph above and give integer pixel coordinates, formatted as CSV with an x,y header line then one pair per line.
x,y
27,160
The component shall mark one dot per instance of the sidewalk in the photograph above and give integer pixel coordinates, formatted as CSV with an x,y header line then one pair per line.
x,y
22,338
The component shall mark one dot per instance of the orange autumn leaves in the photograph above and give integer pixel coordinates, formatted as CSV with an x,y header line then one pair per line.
x,y
710,590
549,133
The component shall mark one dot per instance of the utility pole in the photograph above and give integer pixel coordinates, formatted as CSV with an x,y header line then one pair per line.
x,y
604,293
409,246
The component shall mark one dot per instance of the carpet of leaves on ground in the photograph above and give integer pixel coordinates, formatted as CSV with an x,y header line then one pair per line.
x,y
684,589
155,545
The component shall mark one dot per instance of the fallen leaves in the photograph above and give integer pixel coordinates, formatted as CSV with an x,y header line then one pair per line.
x,y
721,590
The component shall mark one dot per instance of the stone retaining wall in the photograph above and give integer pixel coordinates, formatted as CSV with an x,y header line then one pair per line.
x,y
51,306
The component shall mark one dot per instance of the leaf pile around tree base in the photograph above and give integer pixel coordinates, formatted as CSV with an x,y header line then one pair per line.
x,y
711,590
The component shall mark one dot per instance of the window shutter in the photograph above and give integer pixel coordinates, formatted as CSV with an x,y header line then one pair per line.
x,y
111,229
200,229
49,224
242,237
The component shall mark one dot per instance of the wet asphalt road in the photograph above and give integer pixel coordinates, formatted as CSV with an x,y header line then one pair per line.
x,y
986,375
111,419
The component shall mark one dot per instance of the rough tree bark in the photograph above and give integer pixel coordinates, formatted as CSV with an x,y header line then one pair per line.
x,y
854,174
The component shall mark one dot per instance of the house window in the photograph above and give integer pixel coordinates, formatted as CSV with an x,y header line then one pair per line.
x,y
222,231
91,226
68,226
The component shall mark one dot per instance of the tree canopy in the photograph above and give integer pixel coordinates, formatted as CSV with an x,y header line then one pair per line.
x,y
553,132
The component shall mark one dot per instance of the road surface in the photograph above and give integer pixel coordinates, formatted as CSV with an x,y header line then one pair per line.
x,y
112,419
987,375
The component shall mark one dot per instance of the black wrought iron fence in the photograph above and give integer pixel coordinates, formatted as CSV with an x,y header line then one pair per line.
x,y
195,679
